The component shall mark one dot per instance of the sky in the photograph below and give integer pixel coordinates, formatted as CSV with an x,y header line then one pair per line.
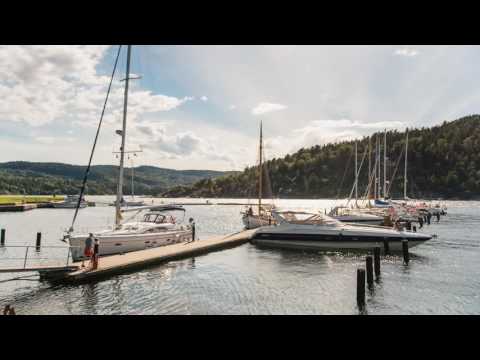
x,y
199,107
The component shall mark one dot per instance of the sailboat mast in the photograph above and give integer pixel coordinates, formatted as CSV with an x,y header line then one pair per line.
x,y
406,161
369,165
385,165
133,192
356,175
375,185
122,148
260,172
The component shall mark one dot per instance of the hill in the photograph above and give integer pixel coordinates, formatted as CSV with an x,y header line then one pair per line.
x,y
48,178
443,161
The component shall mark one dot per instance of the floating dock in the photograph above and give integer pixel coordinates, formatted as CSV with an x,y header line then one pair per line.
x,y
17,207
115,264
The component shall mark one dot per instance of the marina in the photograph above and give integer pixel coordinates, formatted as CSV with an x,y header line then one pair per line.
x,y
247,279
362,221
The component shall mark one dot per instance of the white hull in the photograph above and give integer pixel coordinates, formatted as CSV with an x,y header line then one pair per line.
x,y
118,244
359,219
68,205
255,221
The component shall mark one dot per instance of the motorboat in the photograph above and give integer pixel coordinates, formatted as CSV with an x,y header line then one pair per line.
x,y
70,202
129,203
304,230
157,228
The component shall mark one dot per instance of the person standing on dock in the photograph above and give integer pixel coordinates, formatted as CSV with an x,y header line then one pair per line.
x,y
429,217
88,252
95,255
192,224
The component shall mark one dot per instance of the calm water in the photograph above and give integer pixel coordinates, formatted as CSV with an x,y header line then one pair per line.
x,y
442,277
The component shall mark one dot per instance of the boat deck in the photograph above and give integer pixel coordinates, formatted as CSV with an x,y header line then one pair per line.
x,y
114,264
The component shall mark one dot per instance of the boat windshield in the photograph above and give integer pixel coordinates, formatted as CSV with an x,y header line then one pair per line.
x,y
154,218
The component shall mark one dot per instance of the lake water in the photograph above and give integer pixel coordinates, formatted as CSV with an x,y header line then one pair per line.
x,y
442,277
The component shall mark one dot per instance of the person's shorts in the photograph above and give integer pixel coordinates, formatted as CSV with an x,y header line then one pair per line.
x,y
88,252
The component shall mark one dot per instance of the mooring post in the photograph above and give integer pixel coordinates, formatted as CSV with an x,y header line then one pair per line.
x,y
361,288
2,240
369,267
39,241
376,261
406,257
386,247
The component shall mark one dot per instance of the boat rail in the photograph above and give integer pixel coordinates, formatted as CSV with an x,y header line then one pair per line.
x,y
31,256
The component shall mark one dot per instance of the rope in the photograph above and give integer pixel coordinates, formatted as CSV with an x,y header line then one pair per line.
x,y
344,173
394,172
95,142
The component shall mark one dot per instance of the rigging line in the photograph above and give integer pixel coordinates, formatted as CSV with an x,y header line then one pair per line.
x,y
370,181
358,172
344,173
95,141
394,172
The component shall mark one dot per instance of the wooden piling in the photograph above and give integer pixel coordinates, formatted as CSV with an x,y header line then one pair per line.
x,y
361,288
386,247
369,267
2,239
406,257
39,241
376,261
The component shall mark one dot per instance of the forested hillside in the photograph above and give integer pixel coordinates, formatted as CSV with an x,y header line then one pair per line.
x,y
22,177
443,161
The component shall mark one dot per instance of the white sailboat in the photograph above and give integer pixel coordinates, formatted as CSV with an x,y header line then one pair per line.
x,y
263,217
157,228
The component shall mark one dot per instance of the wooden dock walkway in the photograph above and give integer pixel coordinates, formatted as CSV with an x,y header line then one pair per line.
x,y
115,264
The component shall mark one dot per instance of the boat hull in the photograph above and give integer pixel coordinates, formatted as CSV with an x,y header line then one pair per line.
x,y
119,244
255,221
68,205
359,219
333,239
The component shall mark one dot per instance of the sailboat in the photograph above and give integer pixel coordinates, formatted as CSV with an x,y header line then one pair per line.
x,y
263,216
355,215
157,228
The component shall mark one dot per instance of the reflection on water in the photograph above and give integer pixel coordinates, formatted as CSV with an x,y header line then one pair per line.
x,y
440,278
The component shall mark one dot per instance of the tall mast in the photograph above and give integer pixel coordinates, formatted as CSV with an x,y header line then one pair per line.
x,y
375,184
405,176
369,165
260,172
122,148
385,165
133,192
356,175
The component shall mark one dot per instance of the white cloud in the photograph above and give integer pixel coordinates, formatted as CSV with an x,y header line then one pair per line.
x,y
409,52
265,107
320,132
43,84
204,98
158,139
232,107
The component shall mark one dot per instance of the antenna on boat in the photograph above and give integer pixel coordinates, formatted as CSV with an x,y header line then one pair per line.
x,y
405,176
